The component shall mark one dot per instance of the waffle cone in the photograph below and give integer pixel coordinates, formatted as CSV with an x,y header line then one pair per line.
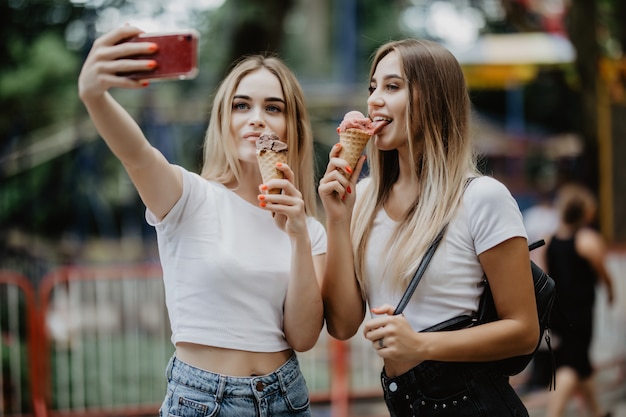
x,y
353,143
267,164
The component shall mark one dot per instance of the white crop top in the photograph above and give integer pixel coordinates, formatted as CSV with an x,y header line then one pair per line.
x,y
226,266
450,286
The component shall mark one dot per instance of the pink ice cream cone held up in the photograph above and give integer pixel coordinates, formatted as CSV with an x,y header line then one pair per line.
x,y
269,151
354,131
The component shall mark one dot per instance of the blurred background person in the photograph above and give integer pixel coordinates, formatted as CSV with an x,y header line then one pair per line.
x,y
575,258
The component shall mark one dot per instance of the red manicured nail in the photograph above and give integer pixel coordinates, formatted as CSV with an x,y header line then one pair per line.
x,y
153,47
279,164
263,187
263,203
349,190
261,197
348,169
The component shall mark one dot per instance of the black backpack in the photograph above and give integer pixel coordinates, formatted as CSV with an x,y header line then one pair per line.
x,y
544,296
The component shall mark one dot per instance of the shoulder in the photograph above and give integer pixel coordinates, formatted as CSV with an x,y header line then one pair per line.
x,y
486,194
590,243
196,192
199,191
194,182
486,188
492,213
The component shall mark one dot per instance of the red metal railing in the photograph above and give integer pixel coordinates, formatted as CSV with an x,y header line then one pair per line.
x,y
111,299
115,317
17,370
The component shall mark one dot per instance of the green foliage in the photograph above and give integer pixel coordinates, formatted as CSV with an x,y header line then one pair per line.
x,y
40,88
37,72
40,66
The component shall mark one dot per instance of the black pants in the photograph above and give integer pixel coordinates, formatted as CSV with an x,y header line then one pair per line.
x,y
451,389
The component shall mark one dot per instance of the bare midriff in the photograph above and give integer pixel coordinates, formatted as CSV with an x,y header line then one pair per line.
x,y
231,362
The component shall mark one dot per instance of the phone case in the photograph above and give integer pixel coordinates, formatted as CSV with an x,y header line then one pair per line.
x,y
177,56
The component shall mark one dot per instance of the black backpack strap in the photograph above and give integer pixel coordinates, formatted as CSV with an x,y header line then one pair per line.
x,y
420,271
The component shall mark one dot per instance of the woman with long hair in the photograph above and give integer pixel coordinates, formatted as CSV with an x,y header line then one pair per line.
x,y
242,267
575,258
422,179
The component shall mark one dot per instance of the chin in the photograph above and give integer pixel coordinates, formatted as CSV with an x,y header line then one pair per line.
x,y
247,155
381,145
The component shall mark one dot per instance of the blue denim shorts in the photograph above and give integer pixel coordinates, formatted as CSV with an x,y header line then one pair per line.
x,y
194,392
448,389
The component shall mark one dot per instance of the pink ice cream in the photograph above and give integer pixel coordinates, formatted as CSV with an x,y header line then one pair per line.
x,y
354,131
355,120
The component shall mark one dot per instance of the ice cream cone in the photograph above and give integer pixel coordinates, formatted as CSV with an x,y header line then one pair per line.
x,y
270,151
267,164
353,143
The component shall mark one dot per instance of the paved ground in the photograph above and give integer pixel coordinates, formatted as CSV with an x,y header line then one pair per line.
x,y
611,385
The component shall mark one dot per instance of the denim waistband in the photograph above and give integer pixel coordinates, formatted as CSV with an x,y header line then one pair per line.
x,y
257,386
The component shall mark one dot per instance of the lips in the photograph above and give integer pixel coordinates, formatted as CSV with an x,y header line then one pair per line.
x,y
251,137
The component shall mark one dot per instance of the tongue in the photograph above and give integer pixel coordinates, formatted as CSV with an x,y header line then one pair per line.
x,y
379,125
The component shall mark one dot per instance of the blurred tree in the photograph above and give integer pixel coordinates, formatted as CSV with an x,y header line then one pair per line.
x,y
596,29
327,41
597,32
260,27
36,69
72,193
619,26
583,36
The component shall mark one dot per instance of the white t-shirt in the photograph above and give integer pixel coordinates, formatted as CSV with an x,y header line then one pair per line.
x,y
450,286
226,267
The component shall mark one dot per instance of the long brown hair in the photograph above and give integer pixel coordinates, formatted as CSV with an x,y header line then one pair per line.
x,y
438,127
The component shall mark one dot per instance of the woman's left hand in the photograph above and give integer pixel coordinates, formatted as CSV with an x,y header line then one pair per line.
x,y
392,336
287,207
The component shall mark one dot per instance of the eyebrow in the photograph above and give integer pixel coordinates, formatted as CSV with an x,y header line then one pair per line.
x,y
387,77
268,99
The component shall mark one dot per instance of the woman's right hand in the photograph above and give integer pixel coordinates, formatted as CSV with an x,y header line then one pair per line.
x,y
109,57
159,184
336,192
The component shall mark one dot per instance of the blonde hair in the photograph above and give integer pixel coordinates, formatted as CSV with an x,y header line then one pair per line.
x,y
438,117
221,163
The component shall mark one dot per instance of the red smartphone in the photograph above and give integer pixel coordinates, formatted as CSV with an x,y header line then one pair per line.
x,y
177,56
